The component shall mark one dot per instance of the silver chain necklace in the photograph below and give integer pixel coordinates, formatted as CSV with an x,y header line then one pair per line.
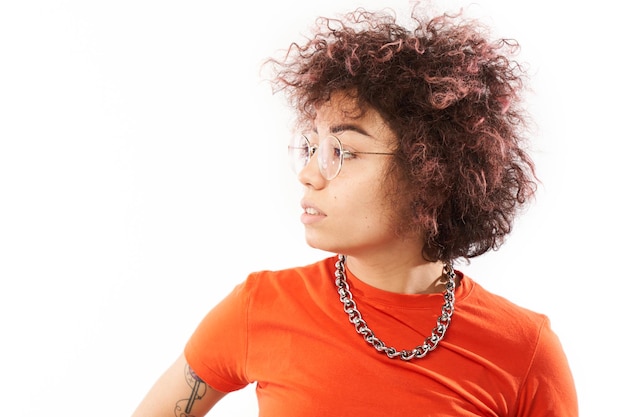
x,y
354,315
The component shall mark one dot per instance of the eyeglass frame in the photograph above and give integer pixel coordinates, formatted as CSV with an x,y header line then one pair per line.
x,y
313,148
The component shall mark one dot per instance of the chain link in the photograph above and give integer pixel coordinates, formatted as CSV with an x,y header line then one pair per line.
x,y
354,316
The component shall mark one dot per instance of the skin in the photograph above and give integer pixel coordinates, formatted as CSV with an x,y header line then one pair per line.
x,y
173,395
350,214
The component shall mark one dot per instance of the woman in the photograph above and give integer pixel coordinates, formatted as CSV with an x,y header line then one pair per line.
x,y
410,150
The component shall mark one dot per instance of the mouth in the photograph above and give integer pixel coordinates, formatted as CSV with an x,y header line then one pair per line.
x,y
311,215
312,211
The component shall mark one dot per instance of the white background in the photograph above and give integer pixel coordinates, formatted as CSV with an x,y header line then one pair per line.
x,y
143,175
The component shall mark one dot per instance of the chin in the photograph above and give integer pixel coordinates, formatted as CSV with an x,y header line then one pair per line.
x,y
320,244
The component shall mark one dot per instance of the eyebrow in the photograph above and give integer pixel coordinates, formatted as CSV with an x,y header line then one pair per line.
x,y
345,127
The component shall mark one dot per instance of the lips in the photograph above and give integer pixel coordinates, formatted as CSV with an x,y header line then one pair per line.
x,y
311,210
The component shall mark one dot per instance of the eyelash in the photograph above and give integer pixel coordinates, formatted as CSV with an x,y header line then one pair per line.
x,y
349,155
346,154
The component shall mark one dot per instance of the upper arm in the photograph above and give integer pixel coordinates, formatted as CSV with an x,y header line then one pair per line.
x,y
549,388
178,393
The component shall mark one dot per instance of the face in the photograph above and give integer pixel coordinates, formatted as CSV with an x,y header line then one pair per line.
x,y
352,213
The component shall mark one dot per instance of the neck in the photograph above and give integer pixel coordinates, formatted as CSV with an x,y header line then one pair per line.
x,y
410,274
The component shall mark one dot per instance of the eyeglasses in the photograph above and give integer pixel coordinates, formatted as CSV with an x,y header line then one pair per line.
x,y
329,158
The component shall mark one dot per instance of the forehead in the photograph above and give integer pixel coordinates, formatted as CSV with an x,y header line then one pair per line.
x,y
343,112
342,107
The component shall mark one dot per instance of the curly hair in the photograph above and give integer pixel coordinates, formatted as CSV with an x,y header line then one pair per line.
x,y
453,99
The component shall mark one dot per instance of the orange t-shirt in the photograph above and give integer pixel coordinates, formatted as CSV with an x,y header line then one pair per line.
x,y
287,332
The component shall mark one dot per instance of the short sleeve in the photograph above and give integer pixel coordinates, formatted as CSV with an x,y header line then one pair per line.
x,y
217,350
548,389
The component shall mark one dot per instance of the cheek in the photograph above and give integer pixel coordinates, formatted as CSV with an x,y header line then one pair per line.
x,y
370,197
372,204
398,197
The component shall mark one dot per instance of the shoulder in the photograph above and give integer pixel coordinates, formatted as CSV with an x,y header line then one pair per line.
x,y
313,272
495,317
311,278
519,345
480,301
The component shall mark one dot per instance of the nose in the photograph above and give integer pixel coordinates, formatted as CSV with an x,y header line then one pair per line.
x,y
311,175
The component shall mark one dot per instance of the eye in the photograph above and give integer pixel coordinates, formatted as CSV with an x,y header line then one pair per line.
x,y
349,155
299,149
304,151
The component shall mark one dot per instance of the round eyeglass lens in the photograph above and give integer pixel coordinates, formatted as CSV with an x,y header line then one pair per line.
x,y
298,153
330,157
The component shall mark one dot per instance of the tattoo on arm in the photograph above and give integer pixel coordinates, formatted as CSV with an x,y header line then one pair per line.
x,y
198,389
